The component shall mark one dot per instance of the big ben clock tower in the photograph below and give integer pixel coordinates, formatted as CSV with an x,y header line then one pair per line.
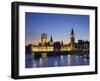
x,y
72,40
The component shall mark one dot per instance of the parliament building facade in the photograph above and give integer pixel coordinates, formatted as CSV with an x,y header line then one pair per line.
x,y
51,45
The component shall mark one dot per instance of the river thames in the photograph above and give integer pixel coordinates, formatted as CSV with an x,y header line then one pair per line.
x,y
35,61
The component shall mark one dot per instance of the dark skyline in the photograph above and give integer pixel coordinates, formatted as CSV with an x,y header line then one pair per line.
x,y
57,25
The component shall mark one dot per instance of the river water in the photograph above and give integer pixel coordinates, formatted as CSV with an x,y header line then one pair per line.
x,y
31,61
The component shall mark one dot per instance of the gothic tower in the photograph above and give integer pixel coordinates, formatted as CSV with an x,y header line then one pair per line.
x,y
43,39
51,40
72,39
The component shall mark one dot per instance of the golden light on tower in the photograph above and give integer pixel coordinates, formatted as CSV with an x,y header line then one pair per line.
x,y
43,39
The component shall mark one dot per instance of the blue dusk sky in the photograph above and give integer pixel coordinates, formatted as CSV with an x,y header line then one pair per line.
x,y
57,25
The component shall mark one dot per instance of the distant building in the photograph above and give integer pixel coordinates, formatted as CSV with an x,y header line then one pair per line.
x,y
57,46
29,48
82,45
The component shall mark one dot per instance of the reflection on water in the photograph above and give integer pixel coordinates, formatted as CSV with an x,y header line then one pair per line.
x,y
32,61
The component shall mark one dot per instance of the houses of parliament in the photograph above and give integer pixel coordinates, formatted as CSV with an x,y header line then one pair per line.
x,y
50,46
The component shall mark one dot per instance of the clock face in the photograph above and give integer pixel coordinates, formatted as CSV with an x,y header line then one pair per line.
x,y
72,35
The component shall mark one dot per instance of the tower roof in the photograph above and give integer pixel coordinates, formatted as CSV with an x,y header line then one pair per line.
x,y
51,40
72,32
43,34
